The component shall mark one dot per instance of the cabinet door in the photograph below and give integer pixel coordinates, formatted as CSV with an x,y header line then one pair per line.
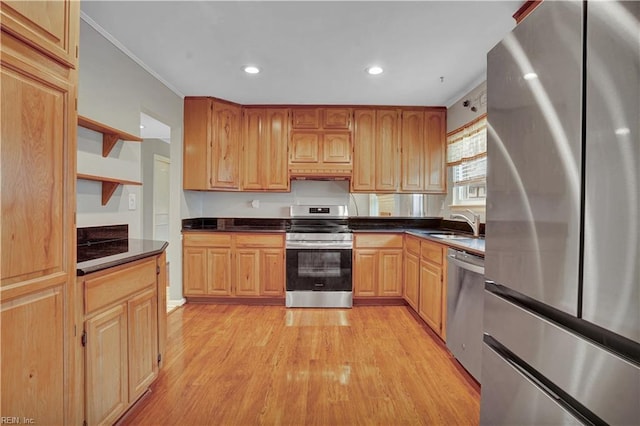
x,y
387,145
305,118
106,366
435,145
196,168
336,148
413,151
194,273
364,149
411,279
305,148
430,308
225,144
336,118
247,272
272,272
219,271
51,26
253,169
390,274
276,175
37,202
365,272
143,342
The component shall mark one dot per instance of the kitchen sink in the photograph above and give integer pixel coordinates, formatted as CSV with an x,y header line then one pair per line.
x,y
451,236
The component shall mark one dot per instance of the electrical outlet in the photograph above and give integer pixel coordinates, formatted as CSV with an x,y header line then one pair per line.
x,y
132,201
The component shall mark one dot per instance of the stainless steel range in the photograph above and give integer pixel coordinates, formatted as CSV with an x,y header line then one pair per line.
x,y
319,245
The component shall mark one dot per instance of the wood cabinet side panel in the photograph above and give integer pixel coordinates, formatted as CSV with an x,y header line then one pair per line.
x,y
411,279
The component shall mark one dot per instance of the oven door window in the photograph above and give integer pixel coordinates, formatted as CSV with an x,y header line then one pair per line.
x,y
316,265
318,270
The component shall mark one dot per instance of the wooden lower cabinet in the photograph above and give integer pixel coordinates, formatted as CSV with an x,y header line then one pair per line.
x,y
122,338
240,264
377,265
106,368
432,286
411,292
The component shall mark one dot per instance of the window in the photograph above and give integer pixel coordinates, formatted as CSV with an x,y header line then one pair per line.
x,y
467,157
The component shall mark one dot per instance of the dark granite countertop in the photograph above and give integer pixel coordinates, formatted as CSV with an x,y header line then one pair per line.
x,y
102,255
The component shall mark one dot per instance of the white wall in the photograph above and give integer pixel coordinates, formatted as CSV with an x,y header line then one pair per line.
x,y
457,116
114,90
239,204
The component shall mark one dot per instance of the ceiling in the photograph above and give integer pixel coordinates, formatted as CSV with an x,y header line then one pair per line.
x,y
310,52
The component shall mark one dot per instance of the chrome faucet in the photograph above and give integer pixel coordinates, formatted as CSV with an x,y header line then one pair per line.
x,y
475,223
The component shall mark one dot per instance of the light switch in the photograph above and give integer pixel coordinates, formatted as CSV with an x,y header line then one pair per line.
x,y
132,201
255,204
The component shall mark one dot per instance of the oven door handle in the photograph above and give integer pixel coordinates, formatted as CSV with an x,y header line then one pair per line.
x,y
318,245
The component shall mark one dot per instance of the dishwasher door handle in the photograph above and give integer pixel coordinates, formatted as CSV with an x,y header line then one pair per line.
x,y
464,265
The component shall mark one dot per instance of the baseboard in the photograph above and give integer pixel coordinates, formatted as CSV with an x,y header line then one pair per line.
x,y
173,304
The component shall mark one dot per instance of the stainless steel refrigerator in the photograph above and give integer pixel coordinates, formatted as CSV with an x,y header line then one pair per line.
x,y
562,292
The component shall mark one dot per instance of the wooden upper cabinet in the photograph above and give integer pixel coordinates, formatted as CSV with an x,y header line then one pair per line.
x,y
305,148
314,118
336,148
423,150
435,145
48,26
225,143
38,120
387,145
336,118
212,131
364,150
305,118
264,146
376,145
413,163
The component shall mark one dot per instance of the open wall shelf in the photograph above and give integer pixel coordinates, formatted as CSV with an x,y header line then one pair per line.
x,y
109,185
109,135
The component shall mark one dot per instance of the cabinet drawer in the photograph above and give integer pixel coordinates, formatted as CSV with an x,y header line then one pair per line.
x,y
109,288
378,240
431,252
253,240
412,245
207,239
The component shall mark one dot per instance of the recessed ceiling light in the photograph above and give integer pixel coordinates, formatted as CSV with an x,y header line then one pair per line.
x,y
142,126
374,70
622,131
250,69
530,76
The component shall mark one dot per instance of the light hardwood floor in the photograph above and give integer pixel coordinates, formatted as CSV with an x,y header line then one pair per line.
x,y
247,365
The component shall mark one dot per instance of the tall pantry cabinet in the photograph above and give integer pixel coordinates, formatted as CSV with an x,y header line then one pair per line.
x,y
39,64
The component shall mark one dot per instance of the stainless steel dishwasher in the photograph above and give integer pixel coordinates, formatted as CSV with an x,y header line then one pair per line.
x,y
465,304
